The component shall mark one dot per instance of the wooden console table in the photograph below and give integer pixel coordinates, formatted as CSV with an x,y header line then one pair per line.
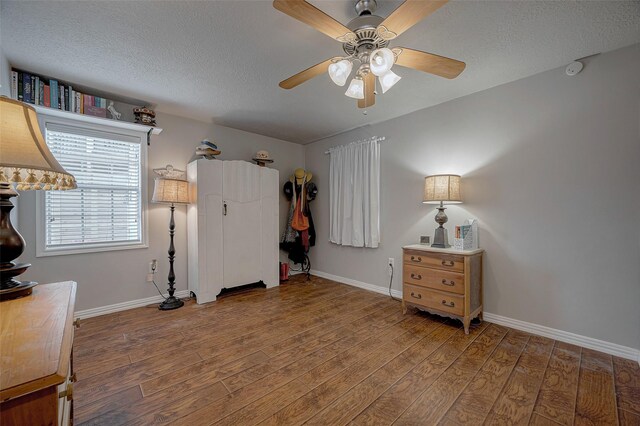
x,y
36,371
443,281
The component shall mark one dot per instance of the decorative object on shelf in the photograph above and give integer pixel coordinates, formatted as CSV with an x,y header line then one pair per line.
x,y
425,239
27,163
115,115
145,115
171,191
365,40
440,189
207,149
262,158
170,172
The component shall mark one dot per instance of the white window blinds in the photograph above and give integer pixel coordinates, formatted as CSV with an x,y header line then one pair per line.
x,y
106,208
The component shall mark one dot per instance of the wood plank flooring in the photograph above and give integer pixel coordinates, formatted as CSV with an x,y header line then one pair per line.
x,y
322,353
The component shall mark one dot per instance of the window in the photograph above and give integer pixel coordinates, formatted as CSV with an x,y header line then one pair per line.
x,y
106,211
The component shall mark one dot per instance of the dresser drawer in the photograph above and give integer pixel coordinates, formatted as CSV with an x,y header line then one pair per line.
x,y
439,300
445,262
434,278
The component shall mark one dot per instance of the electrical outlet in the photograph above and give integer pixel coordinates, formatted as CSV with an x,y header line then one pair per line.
x,y
153,265
390,265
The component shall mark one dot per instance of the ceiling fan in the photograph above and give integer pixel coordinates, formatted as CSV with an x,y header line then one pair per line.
x,y
365,40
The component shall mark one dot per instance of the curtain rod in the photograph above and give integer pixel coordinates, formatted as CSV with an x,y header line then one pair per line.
x,y
376,138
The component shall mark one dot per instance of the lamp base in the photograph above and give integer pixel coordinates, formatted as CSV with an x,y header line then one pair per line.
x,y
24,288
10,288
440,239
170,303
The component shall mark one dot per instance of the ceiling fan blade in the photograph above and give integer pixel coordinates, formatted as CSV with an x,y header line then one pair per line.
x,y
406,16
311,15
428,62
369,88
307,74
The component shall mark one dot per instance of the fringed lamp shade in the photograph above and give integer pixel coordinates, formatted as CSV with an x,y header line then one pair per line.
x,y
25,159
171,191
442,188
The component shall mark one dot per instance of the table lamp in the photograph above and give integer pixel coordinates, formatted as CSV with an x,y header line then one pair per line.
x,y
171,191
440,189
27,164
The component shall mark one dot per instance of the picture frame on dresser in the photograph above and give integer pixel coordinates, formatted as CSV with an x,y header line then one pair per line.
x,y
443,281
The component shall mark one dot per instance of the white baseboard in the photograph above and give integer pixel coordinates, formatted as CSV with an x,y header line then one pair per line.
x,y
359,284
565,336
109,309
540,330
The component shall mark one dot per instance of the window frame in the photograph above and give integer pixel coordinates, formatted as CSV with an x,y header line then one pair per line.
x,y
42,250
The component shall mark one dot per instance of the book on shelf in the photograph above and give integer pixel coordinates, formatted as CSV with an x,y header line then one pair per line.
x,y
26,88
20,87
47,96
51,93
41,93
14,85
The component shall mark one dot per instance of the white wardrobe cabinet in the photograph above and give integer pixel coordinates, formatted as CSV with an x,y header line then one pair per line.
x,y
232,226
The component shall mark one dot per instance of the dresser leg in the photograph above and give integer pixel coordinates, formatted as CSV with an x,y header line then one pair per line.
x,y
404,308
480,316
466,321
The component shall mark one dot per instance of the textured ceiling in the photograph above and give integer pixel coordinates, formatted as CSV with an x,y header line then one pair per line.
x,y
221,61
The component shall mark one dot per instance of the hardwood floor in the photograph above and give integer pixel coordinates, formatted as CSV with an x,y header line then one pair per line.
x,y
323,353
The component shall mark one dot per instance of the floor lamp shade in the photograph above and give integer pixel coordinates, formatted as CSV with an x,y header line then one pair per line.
x,y
440,189
170,191
26,163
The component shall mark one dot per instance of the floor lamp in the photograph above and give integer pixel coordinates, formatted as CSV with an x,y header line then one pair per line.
x,y
171,191
27,164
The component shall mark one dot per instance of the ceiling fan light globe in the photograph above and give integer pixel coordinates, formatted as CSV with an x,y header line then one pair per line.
x,y
381,61
356,89
388,80
339,71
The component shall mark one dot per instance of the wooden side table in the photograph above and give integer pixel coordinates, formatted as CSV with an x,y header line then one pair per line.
x,y
36,351
443,281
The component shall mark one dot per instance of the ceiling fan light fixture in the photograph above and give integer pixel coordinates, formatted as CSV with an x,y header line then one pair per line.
x,y
339,71
388,80
381,61
356,88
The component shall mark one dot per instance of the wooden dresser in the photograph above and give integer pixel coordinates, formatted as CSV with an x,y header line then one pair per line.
x,y
443,281
36,371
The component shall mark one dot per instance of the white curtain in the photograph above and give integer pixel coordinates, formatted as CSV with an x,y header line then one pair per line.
x,y
354,192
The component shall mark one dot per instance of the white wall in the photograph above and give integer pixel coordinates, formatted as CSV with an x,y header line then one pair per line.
x,y
112,277
550,166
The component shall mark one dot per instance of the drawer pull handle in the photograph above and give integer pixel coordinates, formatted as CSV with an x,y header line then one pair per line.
x,y
68,393
416,276
450,304
450,283
448,263
416,259
417,296
76,323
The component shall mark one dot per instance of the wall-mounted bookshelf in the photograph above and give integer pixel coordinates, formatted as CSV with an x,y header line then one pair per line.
x,y
64,99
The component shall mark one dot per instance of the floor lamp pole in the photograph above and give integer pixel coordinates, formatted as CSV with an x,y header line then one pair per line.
x,y
171,302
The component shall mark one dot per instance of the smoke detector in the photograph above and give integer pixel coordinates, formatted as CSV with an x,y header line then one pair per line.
x,y
574,68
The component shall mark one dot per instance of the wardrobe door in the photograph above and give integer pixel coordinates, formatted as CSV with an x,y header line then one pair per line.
x,y
204,229
270,226
242,224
